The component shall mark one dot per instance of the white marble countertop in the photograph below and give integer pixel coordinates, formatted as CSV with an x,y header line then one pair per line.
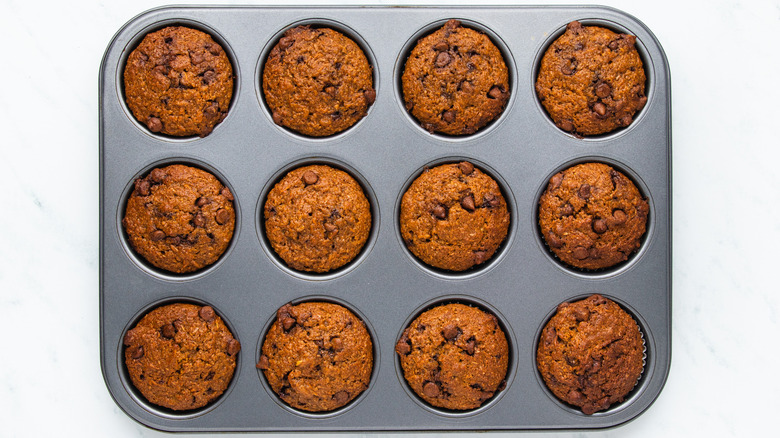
x,y
725,66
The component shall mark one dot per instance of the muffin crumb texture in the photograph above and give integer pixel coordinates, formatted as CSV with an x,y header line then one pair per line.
x,y
591,80
591,353
317,81
455,80
592,216
317,356
454,356
181,356
179,82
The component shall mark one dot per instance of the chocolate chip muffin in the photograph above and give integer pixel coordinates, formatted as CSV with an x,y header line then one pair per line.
x,y
181,356
455,80
591,80
591,216
317,356
454,216
454,356
179,218
178,81
317,81
591,353
317,218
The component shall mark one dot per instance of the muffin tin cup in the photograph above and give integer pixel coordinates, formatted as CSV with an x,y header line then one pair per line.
x,y
385,151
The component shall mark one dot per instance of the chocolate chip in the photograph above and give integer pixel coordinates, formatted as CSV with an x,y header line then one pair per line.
x,y
310,177
200,202
207,313
480,257
566,125
441,46
262,364
613,44
370,96
157,235
465,167
554,241
575,397
556,181
137,352
574,26
584,191
442,59
233,347
337,343
277,118
603,90
567,210
466,87
448,116
550,336
468,203
580,253
403,347
431,389
491,201
600,109
619,216
440,212
199,220
197,57
285,42
168,331
495,92
157,175
600,226
569,67
209,77
287,323
341,397
222,216
226,193
471,346
581,314
450,332
142,187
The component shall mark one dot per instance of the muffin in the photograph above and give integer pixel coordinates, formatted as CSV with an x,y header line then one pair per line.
x,y
179,82
318,82
455,80
181,356
454,356
317,356
591,80
591,216
591,353
454,217
179,218
317,218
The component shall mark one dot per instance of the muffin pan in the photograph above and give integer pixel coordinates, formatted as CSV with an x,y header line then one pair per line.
x,y
385,285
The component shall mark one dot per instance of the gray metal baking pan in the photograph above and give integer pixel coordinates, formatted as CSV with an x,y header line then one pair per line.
x,y
386,286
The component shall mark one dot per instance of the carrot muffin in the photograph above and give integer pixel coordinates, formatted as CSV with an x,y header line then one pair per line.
x,y
455,80
179,218
317,81
454,216
592,216
454,356
178,81
181,356
317,356
591,353
591,80
317,218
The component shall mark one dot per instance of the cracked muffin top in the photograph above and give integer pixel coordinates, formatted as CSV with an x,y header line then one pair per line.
x,y
179,82
179,218
454,216
181,356
317,356
591,80
454,356
592,216
317,81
